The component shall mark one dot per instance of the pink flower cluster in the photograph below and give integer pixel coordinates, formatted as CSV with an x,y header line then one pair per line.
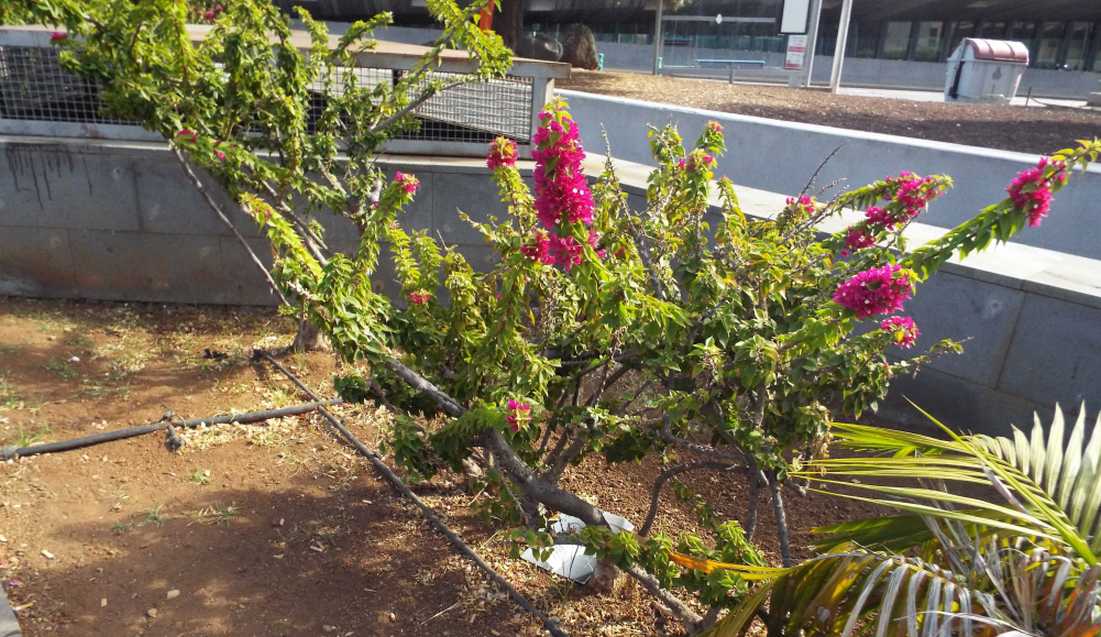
x,y
502,153
902,329
800,207
519,412
187,135
696,161
910,195
1030,190
408,183
875,291
907,196
419,297
857,238
562,195
59,36
211,14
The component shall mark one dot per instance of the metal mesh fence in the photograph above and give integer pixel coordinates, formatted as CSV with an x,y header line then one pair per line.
x,y
34,86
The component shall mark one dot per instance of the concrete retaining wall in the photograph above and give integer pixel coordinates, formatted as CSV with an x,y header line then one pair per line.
x,y
118,221
870,72
781,156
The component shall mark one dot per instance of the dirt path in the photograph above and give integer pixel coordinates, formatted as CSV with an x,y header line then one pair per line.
x,y
1033,130
256,530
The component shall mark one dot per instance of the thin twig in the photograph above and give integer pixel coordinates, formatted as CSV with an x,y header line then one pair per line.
x,y
668,474
814,176
225,219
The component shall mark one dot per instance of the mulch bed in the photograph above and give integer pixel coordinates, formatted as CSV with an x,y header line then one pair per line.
x,y
272,529
1032,130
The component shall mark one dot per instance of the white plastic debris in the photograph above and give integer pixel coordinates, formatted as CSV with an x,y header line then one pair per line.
x,y
569,560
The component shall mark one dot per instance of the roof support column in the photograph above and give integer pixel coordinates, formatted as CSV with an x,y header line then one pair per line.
x,y
839,48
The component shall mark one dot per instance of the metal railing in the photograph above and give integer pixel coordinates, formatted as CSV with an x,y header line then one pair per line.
x,y
39,97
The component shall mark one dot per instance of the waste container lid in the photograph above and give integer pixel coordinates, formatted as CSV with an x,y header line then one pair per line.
x,y
998,50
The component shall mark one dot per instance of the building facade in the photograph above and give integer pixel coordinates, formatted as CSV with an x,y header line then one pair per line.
x,y
1060,34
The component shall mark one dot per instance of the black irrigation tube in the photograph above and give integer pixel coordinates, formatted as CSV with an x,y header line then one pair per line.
x,y
433,518
12,452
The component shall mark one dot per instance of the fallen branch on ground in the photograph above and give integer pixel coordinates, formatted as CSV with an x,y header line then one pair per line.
x,y
430,514
12,452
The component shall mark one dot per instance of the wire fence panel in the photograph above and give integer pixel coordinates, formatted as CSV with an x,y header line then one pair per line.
x,y
34,86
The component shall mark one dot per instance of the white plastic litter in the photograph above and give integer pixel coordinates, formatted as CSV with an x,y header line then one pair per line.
x,y
569,560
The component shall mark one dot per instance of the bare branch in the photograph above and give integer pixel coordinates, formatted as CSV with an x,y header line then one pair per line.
x,y
225,219
687,616
668,474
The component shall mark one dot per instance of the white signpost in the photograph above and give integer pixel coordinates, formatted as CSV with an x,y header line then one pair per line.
x,y
796,53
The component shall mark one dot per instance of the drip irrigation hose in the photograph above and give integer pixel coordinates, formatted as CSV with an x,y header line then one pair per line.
x,y
12,452
433,518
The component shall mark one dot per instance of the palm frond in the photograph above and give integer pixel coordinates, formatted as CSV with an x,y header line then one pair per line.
x,y
841,593
1051,490
1002,590
1069,473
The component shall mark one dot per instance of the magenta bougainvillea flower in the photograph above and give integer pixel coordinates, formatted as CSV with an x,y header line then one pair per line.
x,y
408,183
502,153
539,248
562,196
875,291
518,414
904,332
58,36
880,217
914,193
419,297
800,207
1030,190
696,161
187,135
856,239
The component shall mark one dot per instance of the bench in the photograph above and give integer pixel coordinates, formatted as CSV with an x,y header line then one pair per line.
x,y
731,64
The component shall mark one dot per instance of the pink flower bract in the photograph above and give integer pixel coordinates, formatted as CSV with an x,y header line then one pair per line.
x,y
875,291
857,239
904,332
1031,189
502,153
408,183
519,412
419,297
562,195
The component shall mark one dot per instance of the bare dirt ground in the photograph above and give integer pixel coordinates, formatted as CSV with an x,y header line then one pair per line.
x,y
1033,130
272,529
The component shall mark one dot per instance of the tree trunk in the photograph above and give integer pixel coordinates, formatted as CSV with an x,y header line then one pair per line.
x,y
309,339
509,23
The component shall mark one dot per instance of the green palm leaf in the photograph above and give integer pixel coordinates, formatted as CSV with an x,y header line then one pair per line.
x,y
1051,490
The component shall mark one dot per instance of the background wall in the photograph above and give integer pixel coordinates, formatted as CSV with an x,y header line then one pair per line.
x,y
119,221
782,156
